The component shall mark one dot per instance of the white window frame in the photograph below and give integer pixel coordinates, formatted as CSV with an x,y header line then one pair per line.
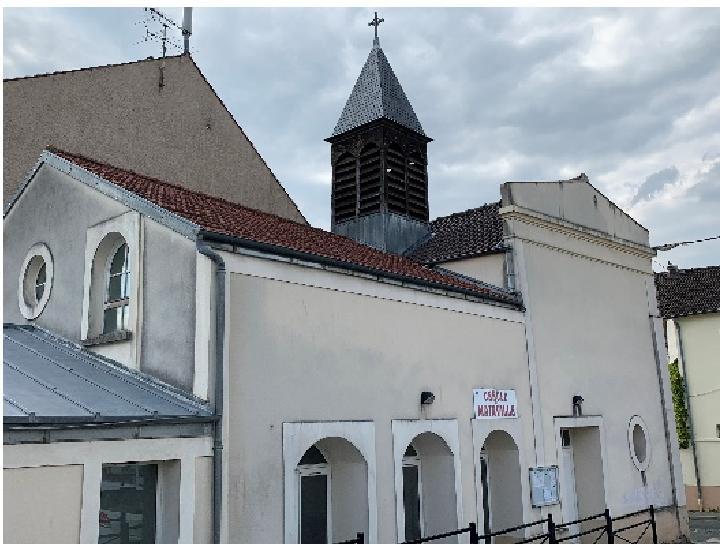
x,y
414,461
107,275
27,281
322,469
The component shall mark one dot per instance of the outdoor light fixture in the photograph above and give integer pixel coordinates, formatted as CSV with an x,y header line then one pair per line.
x,y
426,397
577,401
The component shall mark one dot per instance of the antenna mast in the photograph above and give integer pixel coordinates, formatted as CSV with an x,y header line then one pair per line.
x,y
156,17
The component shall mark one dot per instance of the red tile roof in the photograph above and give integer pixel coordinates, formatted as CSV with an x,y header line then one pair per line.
x,y
220,216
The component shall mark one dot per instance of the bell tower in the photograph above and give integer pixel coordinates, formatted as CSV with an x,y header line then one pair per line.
x,y
379,162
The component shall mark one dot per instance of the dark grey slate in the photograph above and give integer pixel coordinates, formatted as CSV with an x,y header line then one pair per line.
x,y
48,379
377,94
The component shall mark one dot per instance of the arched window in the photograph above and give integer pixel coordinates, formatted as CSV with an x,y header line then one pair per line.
x,y
116,307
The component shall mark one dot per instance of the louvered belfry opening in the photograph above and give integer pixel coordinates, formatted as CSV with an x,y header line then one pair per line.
x,y
395,184
345,187
417,186
370,178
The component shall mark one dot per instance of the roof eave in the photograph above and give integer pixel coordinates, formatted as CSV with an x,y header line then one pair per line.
x,y
506,301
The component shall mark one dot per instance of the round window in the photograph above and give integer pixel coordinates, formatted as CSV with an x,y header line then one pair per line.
x,y
35,282
637,438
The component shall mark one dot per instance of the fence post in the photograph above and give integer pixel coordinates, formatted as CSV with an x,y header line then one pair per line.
x,y
652,522
360,538
609,527
551,530
473,534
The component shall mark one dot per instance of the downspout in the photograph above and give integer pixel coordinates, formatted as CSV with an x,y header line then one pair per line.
x,y
205,249
689,412
666,423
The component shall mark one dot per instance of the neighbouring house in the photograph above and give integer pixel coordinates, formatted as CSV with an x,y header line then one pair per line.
x,y
160,117
689,302
398,377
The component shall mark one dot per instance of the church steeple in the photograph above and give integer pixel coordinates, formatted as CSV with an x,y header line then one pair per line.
x,y
379,160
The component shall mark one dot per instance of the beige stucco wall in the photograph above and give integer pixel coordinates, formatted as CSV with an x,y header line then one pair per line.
x,y
180,132
589,294
310,353
42,504
488,268
700,336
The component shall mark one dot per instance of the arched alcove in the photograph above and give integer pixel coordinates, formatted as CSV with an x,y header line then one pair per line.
x,y
501,483
332,483
428,488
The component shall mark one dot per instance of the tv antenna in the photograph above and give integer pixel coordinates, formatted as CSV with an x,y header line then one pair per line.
x,y
156,25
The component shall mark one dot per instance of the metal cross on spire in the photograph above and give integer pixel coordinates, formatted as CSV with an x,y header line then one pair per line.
x,y
376,23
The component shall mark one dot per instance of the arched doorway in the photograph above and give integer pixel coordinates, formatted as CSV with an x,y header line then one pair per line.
x,y
429,501
332,492
500,478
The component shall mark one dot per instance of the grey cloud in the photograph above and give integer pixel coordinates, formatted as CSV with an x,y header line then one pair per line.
x,y
655,183
486,84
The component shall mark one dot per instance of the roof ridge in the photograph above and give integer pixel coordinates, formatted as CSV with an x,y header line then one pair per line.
x,y
469,210
61,152
87,68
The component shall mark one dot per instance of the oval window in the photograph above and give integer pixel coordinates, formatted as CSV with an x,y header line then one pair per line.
x,y
637,438
35,281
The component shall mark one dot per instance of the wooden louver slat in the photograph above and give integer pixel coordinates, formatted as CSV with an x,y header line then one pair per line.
x,y
370,180
345,188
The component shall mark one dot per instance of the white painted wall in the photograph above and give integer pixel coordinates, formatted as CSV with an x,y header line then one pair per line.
x,y
308,345
488,268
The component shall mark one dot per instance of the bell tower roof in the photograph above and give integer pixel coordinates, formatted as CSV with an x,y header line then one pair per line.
x,y
377,94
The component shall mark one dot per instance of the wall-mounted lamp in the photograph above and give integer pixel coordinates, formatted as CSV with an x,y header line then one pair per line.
x,y
577,401
426,397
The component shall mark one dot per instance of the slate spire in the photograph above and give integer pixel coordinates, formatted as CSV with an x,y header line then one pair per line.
x,y
377,94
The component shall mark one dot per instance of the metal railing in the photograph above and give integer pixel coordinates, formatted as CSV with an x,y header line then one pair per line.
x,y
608,528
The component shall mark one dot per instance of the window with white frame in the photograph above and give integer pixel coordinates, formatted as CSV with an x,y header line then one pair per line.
x,y
412,494
116,307
315,526
35,282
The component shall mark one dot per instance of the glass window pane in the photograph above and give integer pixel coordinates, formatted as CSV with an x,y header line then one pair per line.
x,y
313,456
39,289
313,509
125,287
110,321
127,504
118,261
114,288
411,500
41,274
124,324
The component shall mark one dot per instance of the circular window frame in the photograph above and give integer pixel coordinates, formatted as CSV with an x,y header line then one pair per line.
x,y
643,465
34,259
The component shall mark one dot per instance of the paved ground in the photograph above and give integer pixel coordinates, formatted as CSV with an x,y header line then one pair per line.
x,y
705,527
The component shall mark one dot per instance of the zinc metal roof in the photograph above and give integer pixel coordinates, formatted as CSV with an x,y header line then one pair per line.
x,y
48,379
377,94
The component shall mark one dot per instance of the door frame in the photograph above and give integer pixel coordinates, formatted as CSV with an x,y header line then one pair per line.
x,y
321,469
414,461
571,422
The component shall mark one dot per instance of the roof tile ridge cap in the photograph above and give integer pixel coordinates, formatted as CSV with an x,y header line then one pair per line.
x,y
88,68
192,60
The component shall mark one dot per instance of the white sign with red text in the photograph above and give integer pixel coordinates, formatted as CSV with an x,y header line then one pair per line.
x,y
495,403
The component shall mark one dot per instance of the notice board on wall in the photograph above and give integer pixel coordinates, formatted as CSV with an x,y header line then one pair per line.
x,y
544,486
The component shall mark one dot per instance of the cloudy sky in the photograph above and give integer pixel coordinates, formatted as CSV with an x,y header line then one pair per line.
x,y
629,96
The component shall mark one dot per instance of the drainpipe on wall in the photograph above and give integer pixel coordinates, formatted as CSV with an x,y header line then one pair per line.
x,y
205,249
689,412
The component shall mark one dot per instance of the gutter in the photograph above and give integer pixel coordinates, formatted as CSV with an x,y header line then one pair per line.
x,y
204,249
690,420
507,301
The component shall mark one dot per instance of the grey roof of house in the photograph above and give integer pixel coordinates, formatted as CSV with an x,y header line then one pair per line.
x,y
689,291
50,380
377,94
462,235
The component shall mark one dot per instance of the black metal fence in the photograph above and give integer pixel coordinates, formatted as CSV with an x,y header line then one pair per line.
x,y
615,530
